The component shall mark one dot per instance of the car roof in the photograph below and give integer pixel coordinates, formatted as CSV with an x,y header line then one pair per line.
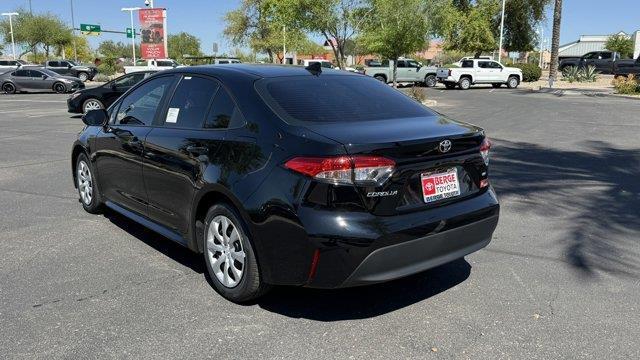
x,y
255,70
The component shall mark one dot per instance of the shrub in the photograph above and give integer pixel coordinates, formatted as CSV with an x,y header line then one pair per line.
x,y
530,72
417,94
101,78
589,74
626,85
571,74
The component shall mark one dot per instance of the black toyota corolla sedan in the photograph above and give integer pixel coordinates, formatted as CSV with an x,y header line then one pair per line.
x,y
289,175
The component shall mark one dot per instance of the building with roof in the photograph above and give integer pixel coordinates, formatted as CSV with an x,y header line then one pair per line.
x,y
588,43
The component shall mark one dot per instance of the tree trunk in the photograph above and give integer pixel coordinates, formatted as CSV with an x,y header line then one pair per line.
x,y
395,72
555,39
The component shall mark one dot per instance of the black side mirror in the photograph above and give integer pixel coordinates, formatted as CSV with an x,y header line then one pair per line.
x,y
96,117
69,66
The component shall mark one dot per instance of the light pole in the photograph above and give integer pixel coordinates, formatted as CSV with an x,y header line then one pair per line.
x,y
73,31
501,32
541,33
13,44
133,32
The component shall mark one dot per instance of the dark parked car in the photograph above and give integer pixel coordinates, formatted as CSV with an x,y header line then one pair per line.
x,y
28,78
354,185
70,68
603,61
101,97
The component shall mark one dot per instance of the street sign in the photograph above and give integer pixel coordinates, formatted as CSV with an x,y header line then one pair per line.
x,y
90,29
129,33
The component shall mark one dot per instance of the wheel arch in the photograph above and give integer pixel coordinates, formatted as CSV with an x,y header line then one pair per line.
x,y
77,150
382,75
466,76
207,198
516,76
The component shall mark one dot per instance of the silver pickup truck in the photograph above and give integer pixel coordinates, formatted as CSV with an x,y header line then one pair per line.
x,y
409,70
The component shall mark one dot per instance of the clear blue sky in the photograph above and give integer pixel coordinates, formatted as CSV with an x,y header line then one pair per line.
x,y
203,18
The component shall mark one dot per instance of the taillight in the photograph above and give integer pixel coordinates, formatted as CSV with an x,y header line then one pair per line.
x,y
484,150
358,170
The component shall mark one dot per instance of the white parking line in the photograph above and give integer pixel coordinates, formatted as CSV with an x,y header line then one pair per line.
x,y
24,100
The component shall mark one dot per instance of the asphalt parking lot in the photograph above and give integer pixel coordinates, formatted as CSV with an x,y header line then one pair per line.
x,y
561,278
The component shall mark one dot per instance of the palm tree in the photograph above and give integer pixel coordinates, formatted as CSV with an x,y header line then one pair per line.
x,y
555,39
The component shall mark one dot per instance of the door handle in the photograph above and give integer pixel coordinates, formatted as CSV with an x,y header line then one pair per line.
x,y
197,150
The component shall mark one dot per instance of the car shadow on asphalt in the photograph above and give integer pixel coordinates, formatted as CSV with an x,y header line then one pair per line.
x,y
319,304
595,191
365,301
172,250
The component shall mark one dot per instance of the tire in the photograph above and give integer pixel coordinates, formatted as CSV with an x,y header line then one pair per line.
x,y
464,83
229,256
87,185
91,104
59,88
380,78
513,82
83,76
8,88
450,86
430,80
496,85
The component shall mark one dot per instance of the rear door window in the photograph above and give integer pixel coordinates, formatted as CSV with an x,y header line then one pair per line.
x,y
467,64
224,112
190,102
336,98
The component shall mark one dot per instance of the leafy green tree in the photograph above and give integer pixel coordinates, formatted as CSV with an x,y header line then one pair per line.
x,y
46,30
265,26
113,50
182,44
470,28
83,50
337,21
521,17
621,44
396,30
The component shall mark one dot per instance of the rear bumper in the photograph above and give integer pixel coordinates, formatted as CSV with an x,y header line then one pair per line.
x,y
417,255
358,249
448,79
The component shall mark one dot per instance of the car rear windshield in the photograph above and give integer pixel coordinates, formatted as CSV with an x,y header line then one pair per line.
x,y
336,98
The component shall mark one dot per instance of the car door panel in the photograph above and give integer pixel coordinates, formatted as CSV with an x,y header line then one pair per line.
x,y
118,159
178,150
120,146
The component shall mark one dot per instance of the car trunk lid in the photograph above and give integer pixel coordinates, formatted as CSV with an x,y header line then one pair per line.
x,y
416,146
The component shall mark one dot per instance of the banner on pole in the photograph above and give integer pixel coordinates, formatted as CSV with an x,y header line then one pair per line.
x,y
152,31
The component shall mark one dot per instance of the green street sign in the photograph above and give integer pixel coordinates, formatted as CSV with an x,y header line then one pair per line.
x,y
90,29
129,33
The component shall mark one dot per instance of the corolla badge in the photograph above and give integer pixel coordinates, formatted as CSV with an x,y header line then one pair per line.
x,y
382,193
445,146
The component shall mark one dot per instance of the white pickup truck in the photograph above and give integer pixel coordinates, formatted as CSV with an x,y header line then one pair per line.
x,y
155,64
479,71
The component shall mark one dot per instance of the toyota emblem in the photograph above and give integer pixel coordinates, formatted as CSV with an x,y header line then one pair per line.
x,y
445,146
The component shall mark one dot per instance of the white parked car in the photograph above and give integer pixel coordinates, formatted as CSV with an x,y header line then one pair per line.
x,y
323,63
155,64
479,71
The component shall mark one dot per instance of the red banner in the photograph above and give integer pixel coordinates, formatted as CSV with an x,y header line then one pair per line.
x,y
152,31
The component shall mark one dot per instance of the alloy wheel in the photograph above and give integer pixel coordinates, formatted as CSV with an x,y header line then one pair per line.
x,y
85,183
83,77
59,88
92,105
225,251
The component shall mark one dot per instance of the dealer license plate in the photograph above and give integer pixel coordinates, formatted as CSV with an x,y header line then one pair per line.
x,y
440,185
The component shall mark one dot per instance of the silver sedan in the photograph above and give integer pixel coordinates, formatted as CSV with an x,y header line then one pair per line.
x,y
37,79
